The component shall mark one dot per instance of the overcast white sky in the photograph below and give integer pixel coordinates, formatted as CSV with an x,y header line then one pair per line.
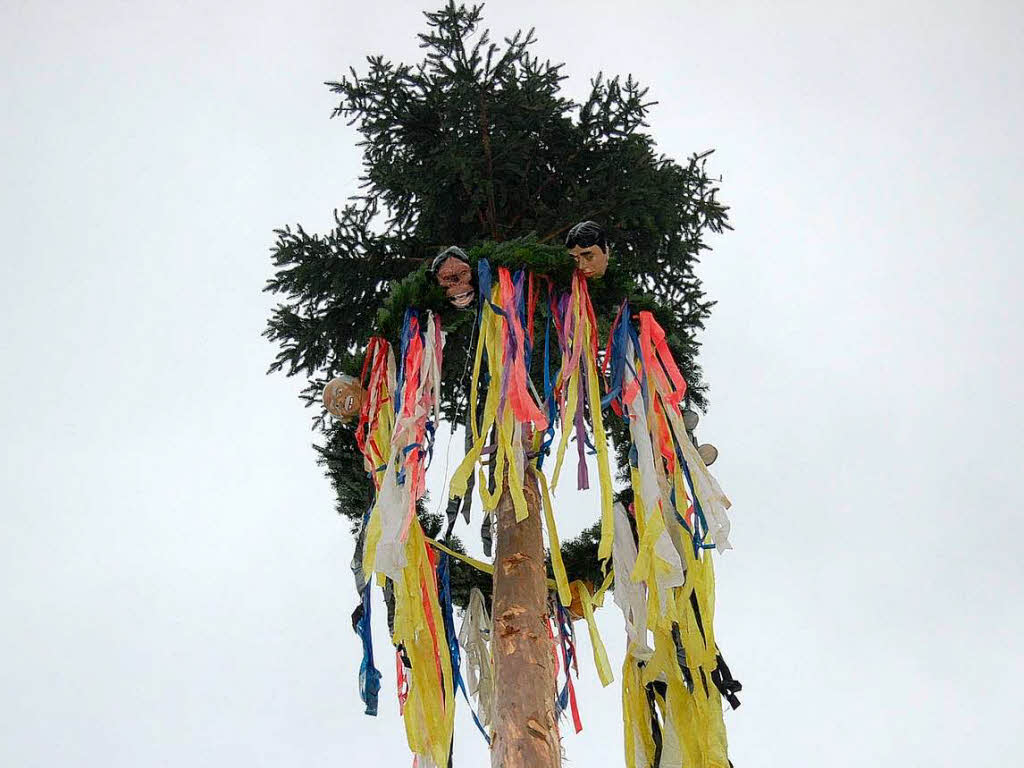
x,y
174,587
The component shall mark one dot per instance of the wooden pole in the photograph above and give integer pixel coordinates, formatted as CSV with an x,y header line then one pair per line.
x,y
525,724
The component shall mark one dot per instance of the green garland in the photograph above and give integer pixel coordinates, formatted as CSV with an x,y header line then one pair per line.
x,y
420,289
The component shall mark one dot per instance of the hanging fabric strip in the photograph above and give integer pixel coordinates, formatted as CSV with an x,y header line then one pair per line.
x,y
480,565
629,595
637,733
572,342
604,670
369,675
474,636
667,383
725,683
567,696
554,546
550,400
402,681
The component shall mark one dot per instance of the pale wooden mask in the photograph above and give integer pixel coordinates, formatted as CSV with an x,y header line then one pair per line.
x,y
343,397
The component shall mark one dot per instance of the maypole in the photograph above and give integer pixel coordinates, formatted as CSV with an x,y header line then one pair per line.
x,y
557,359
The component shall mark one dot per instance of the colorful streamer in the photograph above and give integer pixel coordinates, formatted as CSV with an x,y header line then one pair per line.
x,y
578,394
509,404
395,433
655,553
672,711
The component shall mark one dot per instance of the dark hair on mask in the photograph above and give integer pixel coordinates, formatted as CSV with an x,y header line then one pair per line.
x,y
451,252
586,234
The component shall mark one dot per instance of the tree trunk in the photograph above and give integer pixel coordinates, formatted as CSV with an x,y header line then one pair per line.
x,y
525,725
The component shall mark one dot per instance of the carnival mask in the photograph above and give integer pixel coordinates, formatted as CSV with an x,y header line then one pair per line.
x,y
343,397
588,247
455,276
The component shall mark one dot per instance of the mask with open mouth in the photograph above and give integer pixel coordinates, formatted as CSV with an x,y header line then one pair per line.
x,y
454,274
343,397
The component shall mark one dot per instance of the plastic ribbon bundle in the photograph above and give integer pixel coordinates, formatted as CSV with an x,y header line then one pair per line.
x,y
373,436
416,399
504,346
376,420
672,712
395,434
567,645
671,716
671,484
428,708
512,415
577,392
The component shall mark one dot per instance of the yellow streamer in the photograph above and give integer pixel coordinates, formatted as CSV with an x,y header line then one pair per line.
x,y
430,709
557,565
491,339
599,595
460,478
480,565
604,670
636,719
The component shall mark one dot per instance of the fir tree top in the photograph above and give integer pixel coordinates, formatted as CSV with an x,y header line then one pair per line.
x,y
475,144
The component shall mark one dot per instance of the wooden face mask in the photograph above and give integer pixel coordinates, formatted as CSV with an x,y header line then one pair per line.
x,y
588,247
591,261
456,277
343,397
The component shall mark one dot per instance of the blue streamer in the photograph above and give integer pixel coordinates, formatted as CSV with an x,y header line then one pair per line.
x,y
618,361
404,345
447,613
700,528
568,655
369,675
549,395
484,279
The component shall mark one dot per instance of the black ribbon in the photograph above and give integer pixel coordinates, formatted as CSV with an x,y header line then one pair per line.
x,y
725,683
654,689
677,640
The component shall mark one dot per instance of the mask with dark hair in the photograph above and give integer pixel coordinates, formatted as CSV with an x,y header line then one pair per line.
x,y
453,273
588,246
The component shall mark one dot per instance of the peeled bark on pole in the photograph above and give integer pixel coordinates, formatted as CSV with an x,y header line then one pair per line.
x,y
525,724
